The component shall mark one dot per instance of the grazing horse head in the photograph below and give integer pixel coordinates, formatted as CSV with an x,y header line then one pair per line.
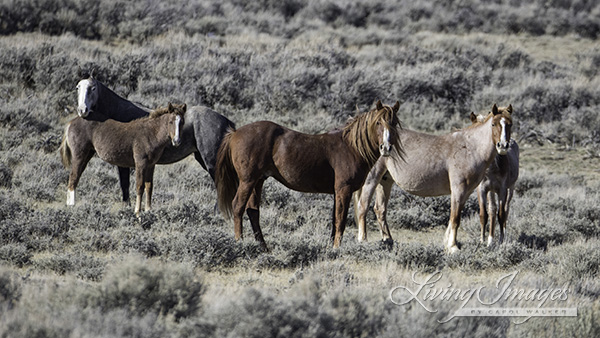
x,y
87,96
502,124
374,131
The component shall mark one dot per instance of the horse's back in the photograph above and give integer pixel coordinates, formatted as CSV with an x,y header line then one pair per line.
x,y
299,161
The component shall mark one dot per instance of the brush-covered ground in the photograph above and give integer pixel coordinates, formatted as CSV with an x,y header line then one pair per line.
x,y
95,270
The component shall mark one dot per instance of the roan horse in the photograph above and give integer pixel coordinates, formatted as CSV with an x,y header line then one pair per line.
x,y
202,133
333,163
434,165
500,179
138,144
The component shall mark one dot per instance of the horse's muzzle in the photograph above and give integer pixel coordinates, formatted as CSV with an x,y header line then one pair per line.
x,y
502,148
176,142
83,112
385,150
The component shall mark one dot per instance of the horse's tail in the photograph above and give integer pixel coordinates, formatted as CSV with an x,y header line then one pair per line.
x,y
226,178
65,150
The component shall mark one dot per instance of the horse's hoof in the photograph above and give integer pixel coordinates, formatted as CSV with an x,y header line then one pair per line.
x,y
453,249
387,241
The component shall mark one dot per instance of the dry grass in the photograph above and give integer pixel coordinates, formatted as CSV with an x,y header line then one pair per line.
x,y
307,65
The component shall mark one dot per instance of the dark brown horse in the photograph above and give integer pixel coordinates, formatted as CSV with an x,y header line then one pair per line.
x,y
334,163
500,178
138,144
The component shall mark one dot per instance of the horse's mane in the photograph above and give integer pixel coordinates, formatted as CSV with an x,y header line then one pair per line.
x,y
482,119
178,109
360,131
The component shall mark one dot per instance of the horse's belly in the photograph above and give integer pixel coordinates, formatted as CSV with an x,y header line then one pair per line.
x,y
121,159
420,180
427,188
173,154
306,182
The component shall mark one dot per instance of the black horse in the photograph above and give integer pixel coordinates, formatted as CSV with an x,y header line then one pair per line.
x,y
202,132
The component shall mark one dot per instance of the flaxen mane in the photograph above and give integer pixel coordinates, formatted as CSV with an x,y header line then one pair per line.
x,y
360,131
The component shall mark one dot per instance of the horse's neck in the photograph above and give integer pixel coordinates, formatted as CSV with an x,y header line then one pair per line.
x,y
481,140
116,107
161,129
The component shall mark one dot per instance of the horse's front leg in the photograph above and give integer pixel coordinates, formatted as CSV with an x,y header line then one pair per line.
x,y
503,208
148,186
78,164
382,197
457,202
253,211
124,182
491,210
483,215
342,203
362,197
139,188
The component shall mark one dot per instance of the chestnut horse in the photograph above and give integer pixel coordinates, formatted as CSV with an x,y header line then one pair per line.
x,y
433,165
333,163
138,144
500,179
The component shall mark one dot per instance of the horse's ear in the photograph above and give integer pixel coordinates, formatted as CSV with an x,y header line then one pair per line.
x,y
495,109
379,105
473,117
396,107
509,109
170,107
184,107
93,73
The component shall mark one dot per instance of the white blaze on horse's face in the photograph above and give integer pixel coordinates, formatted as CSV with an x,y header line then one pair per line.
x,y
385,148
87,95
176,140
502,145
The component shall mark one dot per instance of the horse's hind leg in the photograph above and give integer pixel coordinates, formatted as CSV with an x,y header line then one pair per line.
x,y
199,159
483,216
239,203
253,211
124,182
382,197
